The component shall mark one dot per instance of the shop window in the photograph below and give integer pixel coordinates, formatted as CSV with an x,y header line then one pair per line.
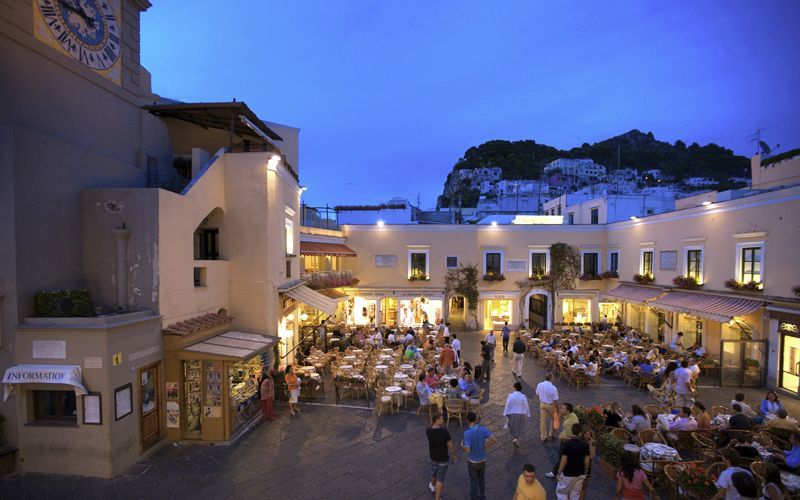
x,y
646,265
452,262
538,264
206,244
54,406
559,210
288,234
595,215
613,262
418,265
694,264
493,263
750,264
200,276
576,310
590,264
496,313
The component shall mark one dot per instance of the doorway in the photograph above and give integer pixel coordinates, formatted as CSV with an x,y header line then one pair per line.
x,y
743,363
537,311
149,404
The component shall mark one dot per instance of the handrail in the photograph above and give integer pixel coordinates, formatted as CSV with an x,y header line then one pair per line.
x,y
313,331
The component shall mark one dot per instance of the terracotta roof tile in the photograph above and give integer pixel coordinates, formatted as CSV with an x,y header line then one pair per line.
x,y
198,323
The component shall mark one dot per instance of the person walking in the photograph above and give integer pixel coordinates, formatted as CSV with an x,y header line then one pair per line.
x,y
475,441
441,450
457,348
528,487
293,386
516,411
684,390
548,405
575,460
267,390
506,334
491,341
486,357
519,356
447,358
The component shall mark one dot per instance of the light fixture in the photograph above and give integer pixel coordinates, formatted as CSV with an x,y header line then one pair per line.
x,y
272,163
706,203
304,188
304,317
381,223
633,217
494,222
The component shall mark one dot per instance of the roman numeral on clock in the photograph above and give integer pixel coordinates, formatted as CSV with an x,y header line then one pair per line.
x,y
63,38
84,56
110,53
48,11
114,38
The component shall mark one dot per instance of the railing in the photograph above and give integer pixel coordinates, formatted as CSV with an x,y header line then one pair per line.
x,y
328,279
320,275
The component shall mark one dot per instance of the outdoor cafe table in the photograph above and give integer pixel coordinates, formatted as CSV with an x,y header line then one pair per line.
x,y
387,351
381,368
345,367
349,358
396,394
384,357
791,481
400,377
406,367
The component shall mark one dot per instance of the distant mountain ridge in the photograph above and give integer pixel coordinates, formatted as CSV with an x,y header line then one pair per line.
x,y
642,151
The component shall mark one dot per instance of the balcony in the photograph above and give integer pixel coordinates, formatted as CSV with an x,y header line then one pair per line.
x,y
321,280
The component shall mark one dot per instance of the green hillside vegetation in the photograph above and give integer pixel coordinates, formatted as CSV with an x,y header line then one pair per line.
x,y
639,150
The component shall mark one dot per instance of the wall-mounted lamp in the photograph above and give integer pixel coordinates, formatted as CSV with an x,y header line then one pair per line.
x,y
706,203
273,162
494,222
381,223
304,188
633,217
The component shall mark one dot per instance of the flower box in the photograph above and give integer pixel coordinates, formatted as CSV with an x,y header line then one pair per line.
x,y
752,286
493,277
643,278
686,282
610,275
590,277
418,277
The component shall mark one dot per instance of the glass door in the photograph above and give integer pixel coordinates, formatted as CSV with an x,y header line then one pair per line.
x,y
790,363
743,363
192,399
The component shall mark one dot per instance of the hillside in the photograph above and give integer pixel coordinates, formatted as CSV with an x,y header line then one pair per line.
x,y
639,150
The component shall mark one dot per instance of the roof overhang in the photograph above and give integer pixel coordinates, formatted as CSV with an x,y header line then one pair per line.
x,y
316,248
634,293
219,115
705,305
233,345
313,298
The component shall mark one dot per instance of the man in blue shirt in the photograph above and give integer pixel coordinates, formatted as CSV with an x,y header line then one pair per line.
x,y
475,441
789,460
506,337
646,366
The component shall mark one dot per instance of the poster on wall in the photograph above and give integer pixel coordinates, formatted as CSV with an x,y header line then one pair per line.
x,y
49,349
668,260
213,383
172,391
173,414
92,414
123,401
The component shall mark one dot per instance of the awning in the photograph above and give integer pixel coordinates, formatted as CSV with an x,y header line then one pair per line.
x,y
314,248
233,344
634,293
334,294
43,374
713,307
219,115
313,298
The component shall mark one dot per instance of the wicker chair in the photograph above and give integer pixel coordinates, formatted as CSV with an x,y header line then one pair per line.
x,y
671,476
653,410
383,402
715,469
454,408
474,404
759,469
704,446
720,410
651,436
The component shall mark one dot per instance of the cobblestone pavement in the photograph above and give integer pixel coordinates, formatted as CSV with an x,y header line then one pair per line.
x,y
346,452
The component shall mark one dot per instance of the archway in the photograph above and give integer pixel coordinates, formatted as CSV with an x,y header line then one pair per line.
x,y
536,312
207,241
457,310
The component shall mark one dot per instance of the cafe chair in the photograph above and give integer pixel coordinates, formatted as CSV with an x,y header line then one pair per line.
x,y
651,436
383,402
719,410
454,409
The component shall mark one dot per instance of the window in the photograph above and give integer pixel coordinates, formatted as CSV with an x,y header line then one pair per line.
x,y
206,244
750,264
559,210
646,268
613,262
493,263
590,263
538,264
418,265
288,268
595,216
288,234
694,264
451,262
54,406
571,218
200,276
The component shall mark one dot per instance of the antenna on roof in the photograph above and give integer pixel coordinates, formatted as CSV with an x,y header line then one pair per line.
x,y
761,146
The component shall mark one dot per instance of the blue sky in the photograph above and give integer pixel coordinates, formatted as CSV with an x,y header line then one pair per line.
x,y
388,95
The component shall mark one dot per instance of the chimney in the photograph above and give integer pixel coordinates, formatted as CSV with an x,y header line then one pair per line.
x,y
121,235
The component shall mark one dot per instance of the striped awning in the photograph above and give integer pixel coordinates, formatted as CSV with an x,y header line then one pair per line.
x,y
634,293
233,344
315,248
313,298
713,307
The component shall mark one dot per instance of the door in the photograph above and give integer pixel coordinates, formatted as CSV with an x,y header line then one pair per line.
x,y
790,363
149,403
743,363
537,311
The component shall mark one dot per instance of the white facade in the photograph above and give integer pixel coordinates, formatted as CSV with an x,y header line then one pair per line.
x,y
578,167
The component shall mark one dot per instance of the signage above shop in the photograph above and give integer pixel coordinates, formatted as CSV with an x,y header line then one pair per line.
x,y
538,219
789,327
516,265
498,295
43,374
386,261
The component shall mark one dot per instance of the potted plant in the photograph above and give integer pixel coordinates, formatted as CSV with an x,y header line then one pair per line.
x,y
697,481
589,277
418,277
610,450
643,278
610,275
686,282
796,290
493,277
751,286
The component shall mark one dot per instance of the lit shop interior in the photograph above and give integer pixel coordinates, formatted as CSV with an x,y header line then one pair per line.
x,y
496,312
214,392
576,310
390,311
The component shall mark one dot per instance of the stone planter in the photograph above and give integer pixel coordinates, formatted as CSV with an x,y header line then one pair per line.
x,y
608,469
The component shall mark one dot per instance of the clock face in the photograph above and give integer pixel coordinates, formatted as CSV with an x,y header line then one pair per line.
x,y
86,29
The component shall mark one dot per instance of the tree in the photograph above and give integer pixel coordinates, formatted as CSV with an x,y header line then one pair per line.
x,y
464,281
565,266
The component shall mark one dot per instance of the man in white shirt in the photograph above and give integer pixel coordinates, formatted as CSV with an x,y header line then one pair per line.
x,y
684,389
492,341
446,331
746,409
390,338
548,405
516,411
457,347
677,343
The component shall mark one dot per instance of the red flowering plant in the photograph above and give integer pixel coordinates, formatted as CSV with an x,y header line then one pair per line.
x,y
696,480
593,417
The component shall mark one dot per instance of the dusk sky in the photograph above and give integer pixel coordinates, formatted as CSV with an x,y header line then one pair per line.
x,y
388,95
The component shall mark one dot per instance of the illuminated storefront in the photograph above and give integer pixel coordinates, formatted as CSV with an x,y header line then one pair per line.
x,y
612,311
789,361
576,310
400,309
498,308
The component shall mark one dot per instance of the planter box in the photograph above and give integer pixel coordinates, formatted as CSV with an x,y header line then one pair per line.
x,y
608,469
